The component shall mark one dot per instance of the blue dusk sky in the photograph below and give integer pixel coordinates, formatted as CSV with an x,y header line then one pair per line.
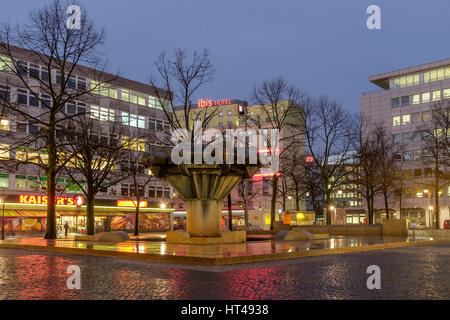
x,y
321,46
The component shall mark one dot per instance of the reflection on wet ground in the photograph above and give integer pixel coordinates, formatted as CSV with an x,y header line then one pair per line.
x,y
216,250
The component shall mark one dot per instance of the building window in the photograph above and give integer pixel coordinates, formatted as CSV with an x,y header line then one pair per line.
x,y
417,136
5,123
32,70
405,101
406,137
407,81
395,102
102,114
220,114
5,64
446,93
416,117
4,151
426,116
407,156
406,119
415,99
229,113
395,121
396,138
436,95
133,120
426,97
4,181
5,93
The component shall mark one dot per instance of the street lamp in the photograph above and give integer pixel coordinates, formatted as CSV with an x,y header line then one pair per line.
x,y
163,206
292,202
333,208
430,212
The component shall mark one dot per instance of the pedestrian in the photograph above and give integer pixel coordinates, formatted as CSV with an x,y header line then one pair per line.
x,y
66,227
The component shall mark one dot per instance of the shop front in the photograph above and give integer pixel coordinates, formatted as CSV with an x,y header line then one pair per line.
x,y
26,214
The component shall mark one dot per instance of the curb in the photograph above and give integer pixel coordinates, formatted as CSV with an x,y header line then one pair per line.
x,y
206,261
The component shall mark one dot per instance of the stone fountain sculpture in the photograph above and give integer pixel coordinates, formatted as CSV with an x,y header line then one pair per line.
x,y
203,187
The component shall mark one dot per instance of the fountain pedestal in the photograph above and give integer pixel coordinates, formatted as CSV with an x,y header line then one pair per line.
x,y
203,187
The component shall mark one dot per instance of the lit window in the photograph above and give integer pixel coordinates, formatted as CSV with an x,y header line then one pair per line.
x,y
4,151
5,123
416,99
5,64
395,121
437,95
426,97
406,119
446,93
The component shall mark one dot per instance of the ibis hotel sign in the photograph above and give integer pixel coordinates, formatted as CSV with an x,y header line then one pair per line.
x,y
39,199
204,103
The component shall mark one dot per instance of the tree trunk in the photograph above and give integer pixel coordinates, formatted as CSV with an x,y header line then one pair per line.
x,y
274,200
136,221
436,206
230,213
246,214
50,230
386,204
90,214
328,200
370,209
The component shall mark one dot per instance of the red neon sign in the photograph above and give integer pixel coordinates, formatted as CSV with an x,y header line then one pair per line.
x,y
64,201
204,103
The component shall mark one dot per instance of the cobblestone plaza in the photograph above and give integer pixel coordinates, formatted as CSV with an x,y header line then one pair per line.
x,y
419,272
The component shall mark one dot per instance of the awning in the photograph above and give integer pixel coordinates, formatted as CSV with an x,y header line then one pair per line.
x,y
96,213
30,213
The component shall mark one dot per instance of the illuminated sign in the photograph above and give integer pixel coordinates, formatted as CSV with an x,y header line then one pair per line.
x,y
79,200
65,201
131,203
204,103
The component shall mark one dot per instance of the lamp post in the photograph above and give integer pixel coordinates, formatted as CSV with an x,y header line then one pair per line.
x,y
3,219
292,202
333,208
430,212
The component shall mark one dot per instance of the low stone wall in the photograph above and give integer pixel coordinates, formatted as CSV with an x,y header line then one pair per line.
x,y
344,230
395,228
431,233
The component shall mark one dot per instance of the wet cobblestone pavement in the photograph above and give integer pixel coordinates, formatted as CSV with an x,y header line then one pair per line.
x,y
420,272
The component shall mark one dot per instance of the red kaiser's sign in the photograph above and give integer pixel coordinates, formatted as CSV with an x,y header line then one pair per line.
x,y
37,199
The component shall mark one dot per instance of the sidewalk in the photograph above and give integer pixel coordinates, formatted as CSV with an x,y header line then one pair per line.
x,y
217,254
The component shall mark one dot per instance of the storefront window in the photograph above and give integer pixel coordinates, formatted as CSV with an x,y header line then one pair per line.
x,y
4,181
21,182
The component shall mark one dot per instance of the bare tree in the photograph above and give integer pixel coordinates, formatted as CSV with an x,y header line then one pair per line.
x,y
138,177
281,110
182,78
94,154
387,166
366,145
293,166
435,151
247,191
59,51
328,140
